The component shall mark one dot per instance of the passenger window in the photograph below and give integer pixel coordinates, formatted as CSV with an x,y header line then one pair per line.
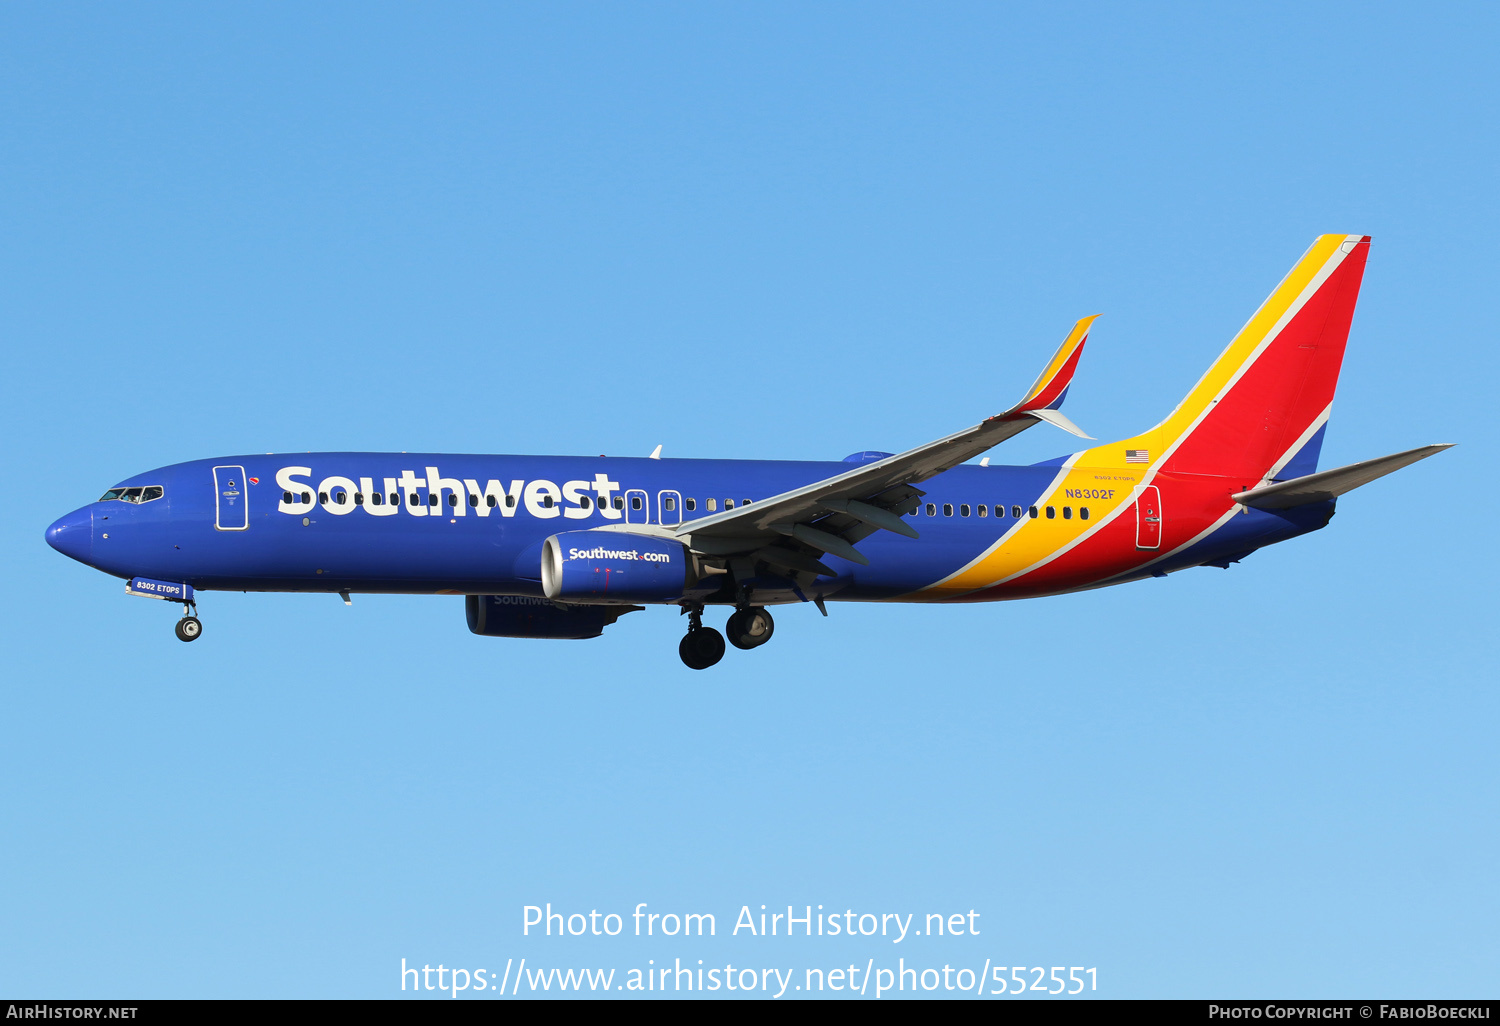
x,y
1015,511
1067,512
286,497
744,502
340,498
947,509
729,504
489,500
669,504
619,503
546,502
1032,512
931,510
431,500
306,497
510,500
999,512
359,498
323,497
712,504
1051,512
395,498
452,500
415,499
983,511
1083,513
692,504
963,509
473,499
584,502
635,502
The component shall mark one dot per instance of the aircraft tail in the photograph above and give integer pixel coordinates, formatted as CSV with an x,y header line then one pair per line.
x,y
1258,413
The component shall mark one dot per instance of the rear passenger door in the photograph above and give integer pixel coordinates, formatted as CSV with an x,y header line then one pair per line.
x,y
1148,519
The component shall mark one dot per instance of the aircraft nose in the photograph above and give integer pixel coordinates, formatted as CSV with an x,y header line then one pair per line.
x,y
73,535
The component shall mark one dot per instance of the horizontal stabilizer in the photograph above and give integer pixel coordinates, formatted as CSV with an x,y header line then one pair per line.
x,y
1331,483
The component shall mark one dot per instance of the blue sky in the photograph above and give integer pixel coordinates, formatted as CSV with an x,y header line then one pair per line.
x,y
761,230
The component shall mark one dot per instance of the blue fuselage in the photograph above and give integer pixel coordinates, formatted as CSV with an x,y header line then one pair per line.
x,y
475,524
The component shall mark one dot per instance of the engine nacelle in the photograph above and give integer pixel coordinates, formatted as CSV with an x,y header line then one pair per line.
x,y
609,566
517,616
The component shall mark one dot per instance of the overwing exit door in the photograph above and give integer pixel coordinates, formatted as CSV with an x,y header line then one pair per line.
x,y
231,511
1148,519
637,509
668,508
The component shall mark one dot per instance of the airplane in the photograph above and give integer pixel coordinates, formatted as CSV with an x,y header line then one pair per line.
x,y
562,547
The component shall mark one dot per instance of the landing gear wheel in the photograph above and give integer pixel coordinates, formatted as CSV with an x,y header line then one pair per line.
x,y
750,628
701,648
188,628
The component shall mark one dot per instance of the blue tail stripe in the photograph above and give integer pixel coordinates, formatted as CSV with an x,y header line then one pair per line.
x,y
1306,460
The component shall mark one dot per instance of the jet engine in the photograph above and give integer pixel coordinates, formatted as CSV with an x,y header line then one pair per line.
x,y
613,567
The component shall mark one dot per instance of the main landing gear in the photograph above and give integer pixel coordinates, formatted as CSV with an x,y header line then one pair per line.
x,y
702,646
750,627
189,627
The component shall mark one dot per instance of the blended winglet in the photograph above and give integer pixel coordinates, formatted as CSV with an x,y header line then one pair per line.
x,y
1052,386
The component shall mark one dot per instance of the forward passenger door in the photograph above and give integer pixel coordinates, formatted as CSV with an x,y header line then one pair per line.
x,y
231,510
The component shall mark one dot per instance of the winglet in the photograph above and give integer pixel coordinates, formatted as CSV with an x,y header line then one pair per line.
x,y
1050,389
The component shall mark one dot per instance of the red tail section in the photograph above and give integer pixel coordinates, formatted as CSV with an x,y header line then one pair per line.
x,y
1270,391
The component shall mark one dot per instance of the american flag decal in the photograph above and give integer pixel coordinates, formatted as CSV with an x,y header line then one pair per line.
x,y
1137,456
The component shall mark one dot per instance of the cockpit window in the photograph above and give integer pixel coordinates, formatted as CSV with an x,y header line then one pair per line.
x,y
136,495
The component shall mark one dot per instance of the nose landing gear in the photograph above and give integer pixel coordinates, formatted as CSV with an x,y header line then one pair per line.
x,y
702,646
189,627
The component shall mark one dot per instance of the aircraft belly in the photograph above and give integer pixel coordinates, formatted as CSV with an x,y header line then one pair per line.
x,y
282,554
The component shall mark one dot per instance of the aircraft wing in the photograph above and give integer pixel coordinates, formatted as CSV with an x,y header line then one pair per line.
x,y
1329,484
832,514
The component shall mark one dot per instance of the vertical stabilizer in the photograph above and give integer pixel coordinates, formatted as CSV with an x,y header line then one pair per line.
x,y
1259,411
